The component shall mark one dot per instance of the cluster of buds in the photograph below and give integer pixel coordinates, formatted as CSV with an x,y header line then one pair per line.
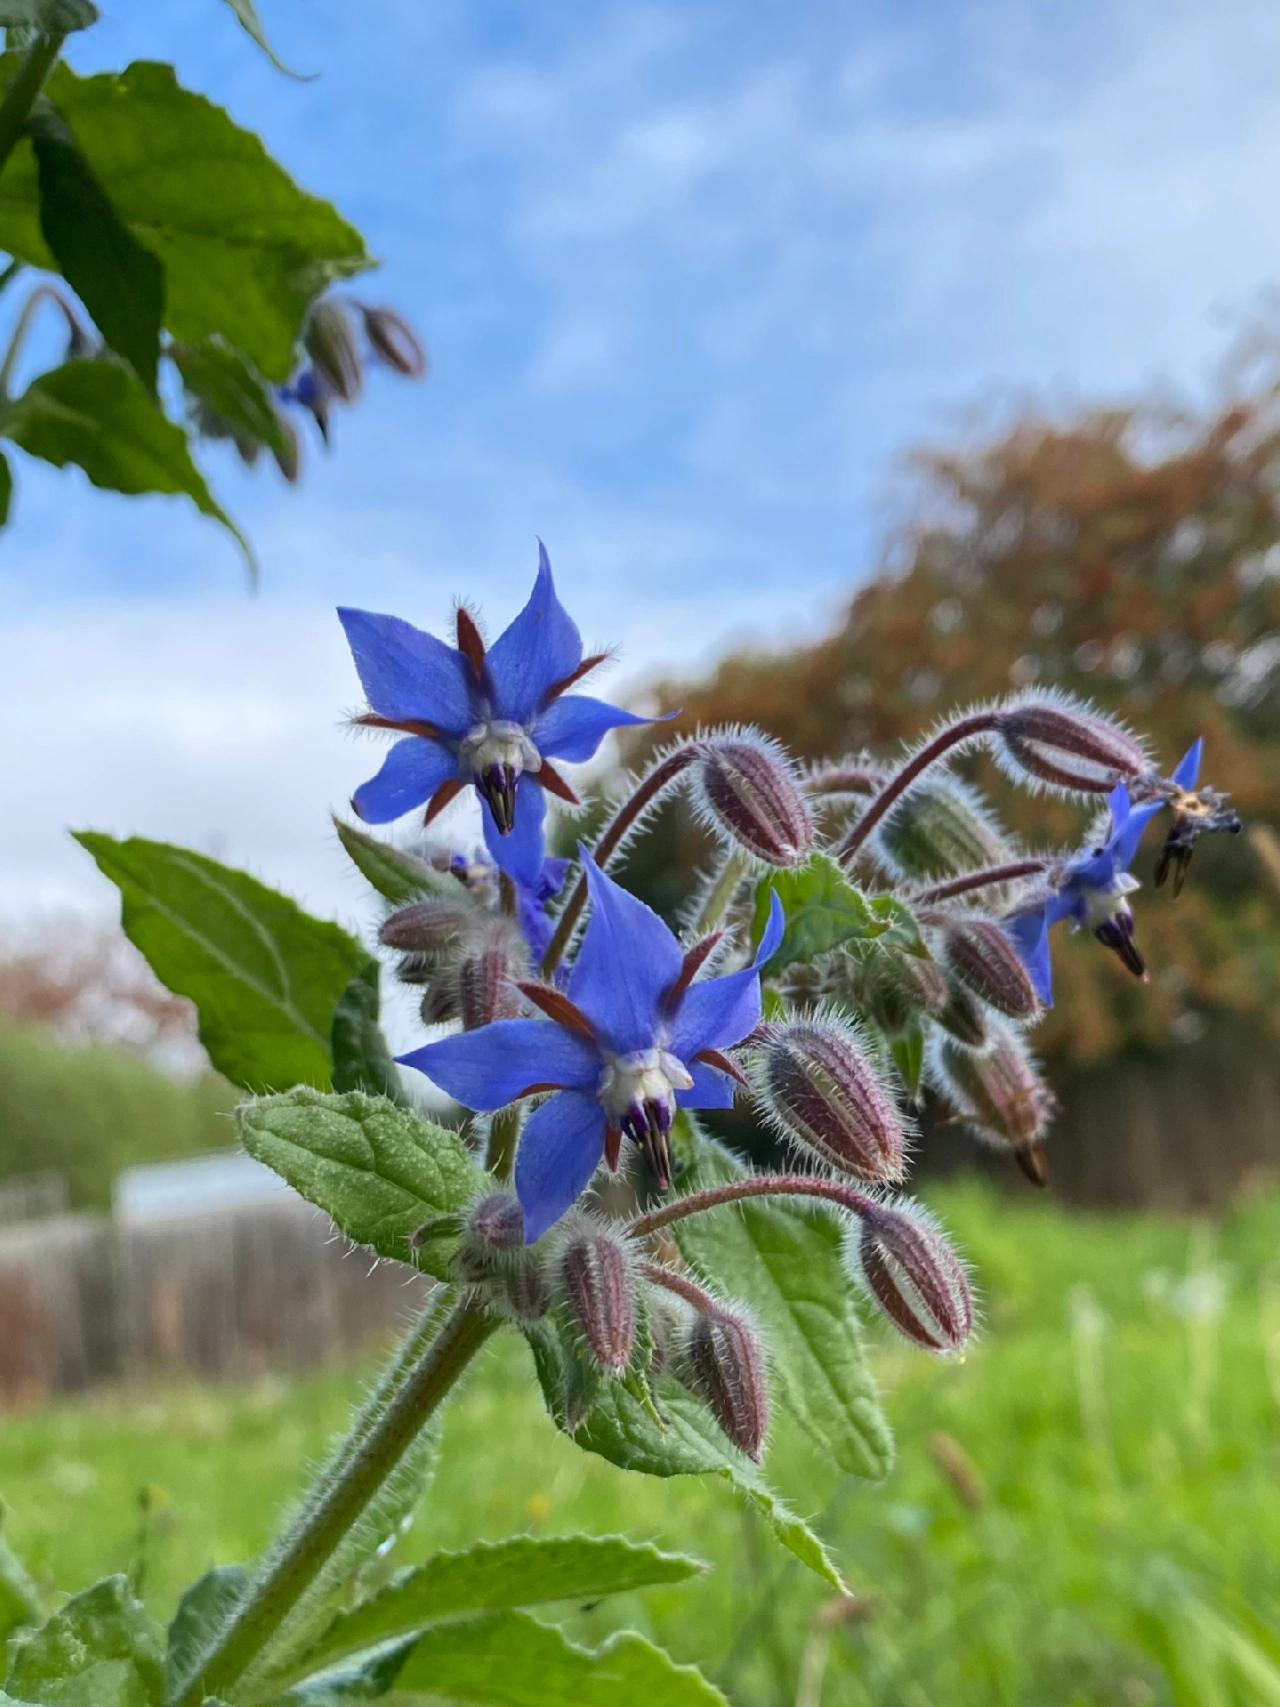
x,y
340,340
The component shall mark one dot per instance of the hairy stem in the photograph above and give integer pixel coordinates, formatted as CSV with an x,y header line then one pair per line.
x,y
22,327
362,1467
754,1185
19,98
963,729
983,878
504,1129
663,774
681,1285
844,779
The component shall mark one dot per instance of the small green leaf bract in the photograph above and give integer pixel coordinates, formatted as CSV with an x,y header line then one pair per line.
x,y
824,910
266,978
379,1172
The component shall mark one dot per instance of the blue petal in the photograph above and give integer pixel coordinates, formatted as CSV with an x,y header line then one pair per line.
x,y
720,1012
488,1068
551,878
628,959
520,854
408,674
711,1088
574,726
410,775
1187,774
1029,933
541,647
560,1148
1127,824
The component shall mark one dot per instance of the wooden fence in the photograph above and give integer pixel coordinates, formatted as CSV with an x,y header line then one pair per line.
x,y
264,1286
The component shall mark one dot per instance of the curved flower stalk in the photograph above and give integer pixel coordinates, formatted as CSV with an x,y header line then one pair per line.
x,y
633,1037
490,718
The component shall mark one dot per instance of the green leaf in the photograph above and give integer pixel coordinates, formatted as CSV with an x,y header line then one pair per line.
x,y
507,1659
19,1596
247,14
907,1049
120,282
525,1571
786,1260
245,251
369,1681
398,876
620,1429
101,1650
202,1611
98,415
378,1171
266,978
361,1058
49,17
230,386
6,489
825,910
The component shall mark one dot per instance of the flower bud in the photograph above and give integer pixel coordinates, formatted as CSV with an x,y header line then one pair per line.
x,y
497,1221
821,1091
485,990
329,340
939,830
393,342
964,1018
984,960
288,453
425,927
440,999
599,1289
527,1294
720,1360
1000,1092
749,791
915,1277
1067,745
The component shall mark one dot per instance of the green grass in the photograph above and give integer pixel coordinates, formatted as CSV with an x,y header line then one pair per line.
x,y
1120,1417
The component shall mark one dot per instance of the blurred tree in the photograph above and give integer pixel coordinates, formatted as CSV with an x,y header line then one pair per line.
x,y
1132,556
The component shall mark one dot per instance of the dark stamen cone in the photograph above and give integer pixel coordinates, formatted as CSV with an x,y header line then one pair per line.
x,y
981,956
1001,1092
916,1278
821,1091
749,790
720,1361
599,1289
1068,746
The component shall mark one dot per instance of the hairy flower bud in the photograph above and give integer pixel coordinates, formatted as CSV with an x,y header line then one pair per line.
x,y
485,988
1003,1096
820,1090
330,341
393,341
964,1018
288,452
599,1290
497,1221
939,830
720,1360
915,1277
1065,744
979,953
748,790
425,927
528,1296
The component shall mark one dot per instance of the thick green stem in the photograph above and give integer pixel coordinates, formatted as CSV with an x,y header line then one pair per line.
x,y
363,1466
28,80
724,886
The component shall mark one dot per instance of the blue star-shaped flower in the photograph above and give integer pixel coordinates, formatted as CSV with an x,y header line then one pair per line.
x,y
631,1039
494,719
1092,891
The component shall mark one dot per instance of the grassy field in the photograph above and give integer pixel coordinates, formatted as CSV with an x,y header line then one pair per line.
x,y
1086,1511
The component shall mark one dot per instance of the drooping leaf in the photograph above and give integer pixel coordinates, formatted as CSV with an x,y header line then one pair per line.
x,y
118,279
525,1571
100,1650
266,978
824,910
49,17
244,249
98,415
380,1172
621,1428
228,384
786,1260
361,1059
201,1612
507,1659
398,876
247,14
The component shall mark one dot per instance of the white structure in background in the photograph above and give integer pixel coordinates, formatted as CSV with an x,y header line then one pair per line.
x,y
197,1185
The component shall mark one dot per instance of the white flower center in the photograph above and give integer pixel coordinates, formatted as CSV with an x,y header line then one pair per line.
x,y
502,745
630,1083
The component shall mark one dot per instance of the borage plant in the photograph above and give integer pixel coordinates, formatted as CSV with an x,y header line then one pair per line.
x,y
870,931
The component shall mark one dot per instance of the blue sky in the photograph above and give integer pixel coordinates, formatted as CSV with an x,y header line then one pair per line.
x,y
693,277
